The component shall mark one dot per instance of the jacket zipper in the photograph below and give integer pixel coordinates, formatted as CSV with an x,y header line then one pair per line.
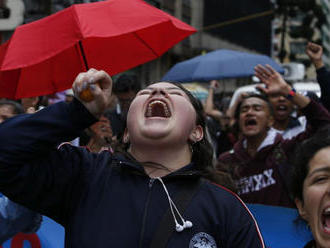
x,y
146,206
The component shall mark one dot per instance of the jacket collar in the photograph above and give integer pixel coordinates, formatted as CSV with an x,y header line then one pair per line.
x,y
272,139
127,161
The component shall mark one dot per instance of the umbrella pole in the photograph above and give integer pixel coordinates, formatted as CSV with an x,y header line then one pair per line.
x,y
86,95
83,55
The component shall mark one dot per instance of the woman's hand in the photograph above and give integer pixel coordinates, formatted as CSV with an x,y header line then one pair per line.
x,y
99,86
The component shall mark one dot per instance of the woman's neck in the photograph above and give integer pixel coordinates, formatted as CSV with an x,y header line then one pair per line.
x,y
166,159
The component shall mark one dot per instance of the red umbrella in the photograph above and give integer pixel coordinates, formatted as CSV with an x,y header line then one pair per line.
x,y
45,56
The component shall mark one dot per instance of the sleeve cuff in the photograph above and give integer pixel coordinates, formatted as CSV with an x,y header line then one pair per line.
x,y
80,115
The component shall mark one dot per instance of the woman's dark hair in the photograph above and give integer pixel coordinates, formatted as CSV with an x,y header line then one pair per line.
x,y
202,150
305,151
202,155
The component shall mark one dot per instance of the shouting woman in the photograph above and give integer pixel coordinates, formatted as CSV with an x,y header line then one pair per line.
x,y
156,194
311,186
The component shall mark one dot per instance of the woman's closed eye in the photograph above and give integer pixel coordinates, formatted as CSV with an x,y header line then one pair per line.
x,y
320,179
144,92
176,92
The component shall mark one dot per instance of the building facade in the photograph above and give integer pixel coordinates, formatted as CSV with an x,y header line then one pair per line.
x,y
300,27
326,31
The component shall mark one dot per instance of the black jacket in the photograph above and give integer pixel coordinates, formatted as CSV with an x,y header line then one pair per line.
x,y
106,200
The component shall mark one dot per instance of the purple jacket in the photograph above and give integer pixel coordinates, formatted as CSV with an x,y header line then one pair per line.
x,y
263,178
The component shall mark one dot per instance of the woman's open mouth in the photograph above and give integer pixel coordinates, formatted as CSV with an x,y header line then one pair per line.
x,y
326,220
158,108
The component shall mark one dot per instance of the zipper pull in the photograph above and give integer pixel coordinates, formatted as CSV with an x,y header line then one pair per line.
x,y
151,181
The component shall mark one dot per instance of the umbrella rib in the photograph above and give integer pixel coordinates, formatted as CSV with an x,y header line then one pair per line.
x,y
146,44
83,55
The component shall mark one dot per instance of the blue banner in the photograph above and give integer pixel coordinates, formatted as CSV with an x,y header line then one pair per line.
x,y
50,235
279,226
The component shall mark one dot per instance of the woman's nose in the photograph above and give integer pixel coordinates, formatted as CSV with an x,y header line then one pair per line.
x,y
159,91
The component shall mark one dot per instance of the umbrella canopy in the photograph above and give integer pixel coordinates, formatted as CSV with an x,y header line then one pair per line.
x,y
218,64
45,56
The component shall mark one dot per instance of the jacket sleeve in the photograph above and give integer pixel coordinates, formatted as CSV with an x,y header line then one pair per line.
x,y
245,230
317,117
323,78
33,172
235,224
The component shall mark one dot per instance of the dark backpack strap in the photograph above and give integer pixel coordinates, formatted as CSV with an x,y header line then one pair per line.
x,y
167,225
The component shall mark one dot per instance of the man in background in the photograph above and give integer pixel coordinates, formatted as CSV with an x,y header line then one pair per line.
x,y
125,89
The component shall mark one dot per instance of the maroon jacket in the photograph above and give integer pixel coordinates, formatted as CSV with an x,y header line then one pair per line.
x,y
264,178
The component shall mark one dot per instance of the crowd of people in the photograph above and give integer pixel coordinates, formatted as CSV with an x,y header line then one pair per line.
x,y
157,166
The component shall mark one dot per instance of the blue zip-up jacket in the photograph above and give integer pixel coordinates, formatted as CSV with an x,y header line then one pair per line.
x,y
106,200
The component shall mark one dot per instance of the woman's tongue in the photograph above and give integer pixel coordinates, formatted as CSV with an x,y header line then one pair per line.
x,y
158,111
326,222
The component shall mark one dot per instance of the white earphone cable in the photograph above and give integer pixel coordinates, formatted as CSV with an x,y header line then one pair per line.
x,y
185,223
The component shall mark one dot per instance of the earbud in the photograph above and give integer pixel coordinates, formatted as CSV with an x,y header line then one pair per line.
x,y
186,224
179,228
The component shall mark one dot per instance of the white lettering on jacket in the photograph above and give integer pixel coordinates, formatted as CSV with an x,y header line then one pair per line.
x,y
255,182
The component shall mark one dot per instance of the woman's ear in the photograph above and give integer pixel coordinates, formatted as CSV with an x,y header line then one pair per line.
x,y
126,136
301,209
196,134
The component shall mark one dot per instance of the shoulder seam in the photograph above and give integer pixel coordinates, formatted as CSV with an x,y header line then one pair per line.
x,y
247,209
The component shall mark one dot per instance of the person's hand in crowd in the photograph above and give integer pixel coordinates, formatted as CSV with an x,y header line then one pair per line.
x,y
315,52
232,108
29,104
93,89
241,96
214,84
101,135
102,130
274,82
209,107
